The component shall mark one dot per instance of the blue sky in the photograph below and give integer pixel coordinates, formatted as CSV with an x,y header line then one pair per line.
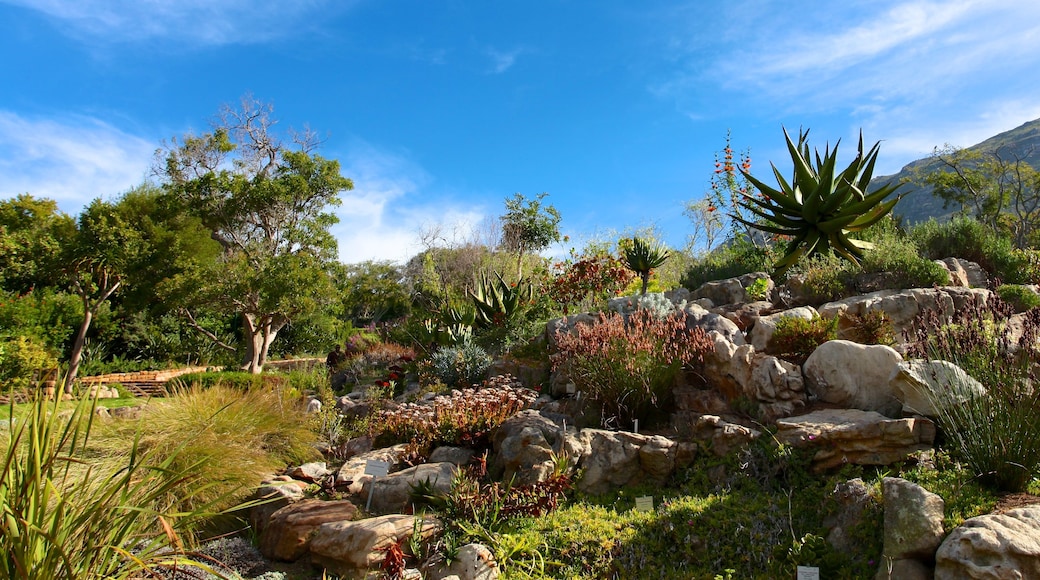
x,y
440,110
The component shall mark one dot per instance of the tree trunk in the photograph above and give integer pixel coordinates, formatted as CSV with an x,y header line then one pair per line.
x,y
77,347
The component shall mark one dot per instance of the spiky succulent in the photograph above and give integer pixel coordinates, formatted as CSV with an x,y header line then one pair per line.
x,y
496,301
820,206
643,256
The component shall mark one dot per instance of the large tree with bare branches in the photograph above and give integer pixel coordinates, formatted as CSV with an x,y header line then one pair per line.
x,y
265,200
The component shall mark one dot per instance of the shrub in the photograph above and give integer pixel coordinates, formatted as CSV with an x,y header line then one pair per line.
x,y
21,359
796,338
589,281
460,366
629,366
900,259
1020,297
874,327
464,417
997,434
820,279
734,259
65,513
966,238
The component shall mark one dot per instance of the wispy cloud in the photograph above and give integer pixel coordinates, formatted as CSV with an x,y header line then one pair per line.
x,y
71,160
205,21
383,217
501,61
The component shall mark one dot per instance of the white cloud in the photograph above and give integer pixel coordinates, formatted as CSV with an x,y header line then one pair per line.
x,y
206,21
501,61
72,159
383,217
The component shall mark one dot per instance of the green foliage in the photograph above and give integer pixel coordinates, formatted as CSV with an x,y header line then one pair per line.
x,y
460,365
820,205
629,367
65,513
796,338
373,292
969,239
23,359
642,256
996,434
899,257
497,302
873,327
33,235
734,259
234,437
758,290
1021,297
528,227
238,380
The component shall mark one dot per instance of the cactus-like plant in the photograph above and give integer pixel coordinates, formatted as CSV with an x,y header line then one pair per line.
x,y
497,301
820,206
643,256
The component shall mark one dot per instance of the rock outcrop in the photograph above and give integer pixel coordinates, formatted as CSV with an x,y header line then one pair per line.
x,y
843,436
995,546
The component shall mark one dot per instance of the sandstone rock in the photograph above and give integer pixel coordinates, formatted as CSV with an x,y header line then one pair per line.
x,y
311,472
992,546
473,562
964,273
313,406
351,476
852,498
745,315
913,520
275,495
762,332
612,460
920,383
724,437
345,546
732,290
566,324
458,455
391,493
526,444
854,436
713,324
853,376
289,530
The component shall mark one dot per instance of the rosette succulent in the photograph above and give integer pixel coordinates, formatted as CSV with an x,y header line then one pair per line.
x,y
820,206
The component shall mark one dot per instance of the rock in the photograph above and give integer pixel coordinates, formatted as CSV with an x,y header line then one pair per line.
x,y
964,273
724,437
853,376
473,562
311,472
275,495
313,406
351,476
745,315
566,324
853,436
525,447
992,546
457,455
612,460
913,520
762,332
852,498
125,412
392,493
288,532
732,290
347,546
712,323
918,384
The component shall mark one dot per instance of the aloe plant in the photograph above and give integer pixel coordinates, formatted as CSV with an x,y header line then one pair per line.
x,y
497,301
643,256
820,206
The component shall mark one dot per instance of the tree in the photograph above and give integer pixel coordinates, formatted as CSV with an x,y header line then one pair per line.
x,y
265,202
528,227
373,292
32,233
998,187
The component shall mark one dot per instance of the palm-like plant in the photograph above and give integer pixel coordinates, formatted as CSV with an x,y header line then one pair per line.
x,y
643,256
820,206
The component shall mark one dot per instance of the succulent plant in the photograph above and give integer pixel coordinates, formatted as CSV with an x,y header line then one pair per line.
x,y
497,301
643,256
820,206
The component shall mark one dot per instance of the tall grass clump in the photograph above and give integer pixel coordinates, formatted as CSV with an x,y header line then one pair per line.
x,y
629,365
235,436
996,434
67,514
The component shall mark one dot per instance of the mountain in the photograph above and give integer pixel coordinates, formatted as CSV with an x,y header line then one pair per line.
x,y
918,203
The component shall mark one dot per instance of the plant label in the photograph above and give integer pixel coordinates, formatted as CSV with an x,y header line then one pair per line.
x,y
377,468
646,504
571,388
808,573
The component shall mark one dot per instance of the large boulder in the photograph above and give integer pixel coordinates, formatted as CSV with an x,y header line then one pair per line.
x,y
272,495
473,562
614,459
913,521
712,323
854,376
995,546
287,535
347,547
842,436
527,446
351,476
919,384
964,273
392,493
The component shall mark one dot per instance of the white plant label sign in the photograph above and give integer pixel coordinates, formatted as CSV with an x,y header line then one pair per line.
x,y
808,573
645,503
377,468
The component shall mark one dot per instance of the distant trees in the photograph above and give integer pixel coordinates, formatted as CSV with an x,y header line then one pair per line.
x,y
265,202
528,227
999,188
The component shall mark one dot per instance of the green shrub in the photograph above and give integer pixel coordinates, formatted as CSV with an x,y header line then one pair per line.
x,y
22,359
822,278
969,239
629,366
874,327
899,257
734,259
460,366
66,513
1019,296
796,338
